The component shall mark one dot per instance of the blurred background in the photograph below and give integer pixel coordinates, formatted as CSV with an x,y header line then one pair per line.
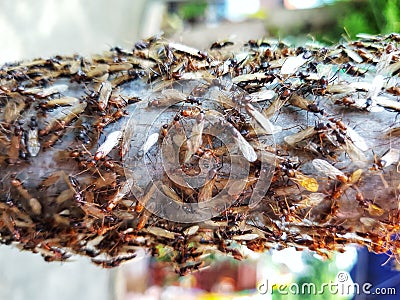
x,y
42,28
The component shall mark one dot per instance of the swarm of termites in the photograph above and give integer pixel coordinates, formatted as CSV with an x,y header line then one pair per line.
x,y
256,145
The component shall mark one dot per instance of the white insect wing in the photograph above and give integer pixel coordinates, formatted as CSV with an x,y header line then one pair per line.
x,y
261,119
104,94
196,139
354,152
376,86
111,141
262,95
33,142
292,63
151,141
173,94
197,133
326,169
246,237
354,55
390,157
293,139
245,147
357,140
191,230
388,103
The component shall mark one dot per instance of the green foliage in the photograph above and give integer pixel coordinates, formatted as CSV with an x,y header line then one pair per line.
x,y
371,16
192,10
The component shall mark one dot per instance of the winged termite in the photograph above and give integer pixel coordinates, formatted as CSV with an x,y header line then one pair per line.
x,y
326,169
97,70
64,196
170,193
118,67
168,97
151,188
356,139
262,95
195,140
114,262
149,143
353,151
191,230
33,144
205,192
244,146
274,107
340,88
126,139
15,145
261,120
292,140
246,237
390,157
250,77
189,50
310,201
309,183
304,104
63,101
33,202
353,55
111,141
9,222
160,232
105,91
323,166
292,63
122,191
63,117
387,103
13,109
236,187
43,93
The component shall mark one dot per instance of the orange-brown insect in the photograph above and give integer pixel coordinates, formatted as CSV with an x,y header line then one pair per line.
x,y
34,203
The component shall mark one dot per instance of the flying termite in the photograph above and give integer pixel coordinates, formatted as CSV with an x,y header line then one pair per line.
x,y
294,139
205,192
261,119
122,191
111,141
309,183
195,140
43,93
302,103
149,143
141,203
292,63
390,157
61,119
167,97
33,143
326,169
244,146
33,202
15,144
105,91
